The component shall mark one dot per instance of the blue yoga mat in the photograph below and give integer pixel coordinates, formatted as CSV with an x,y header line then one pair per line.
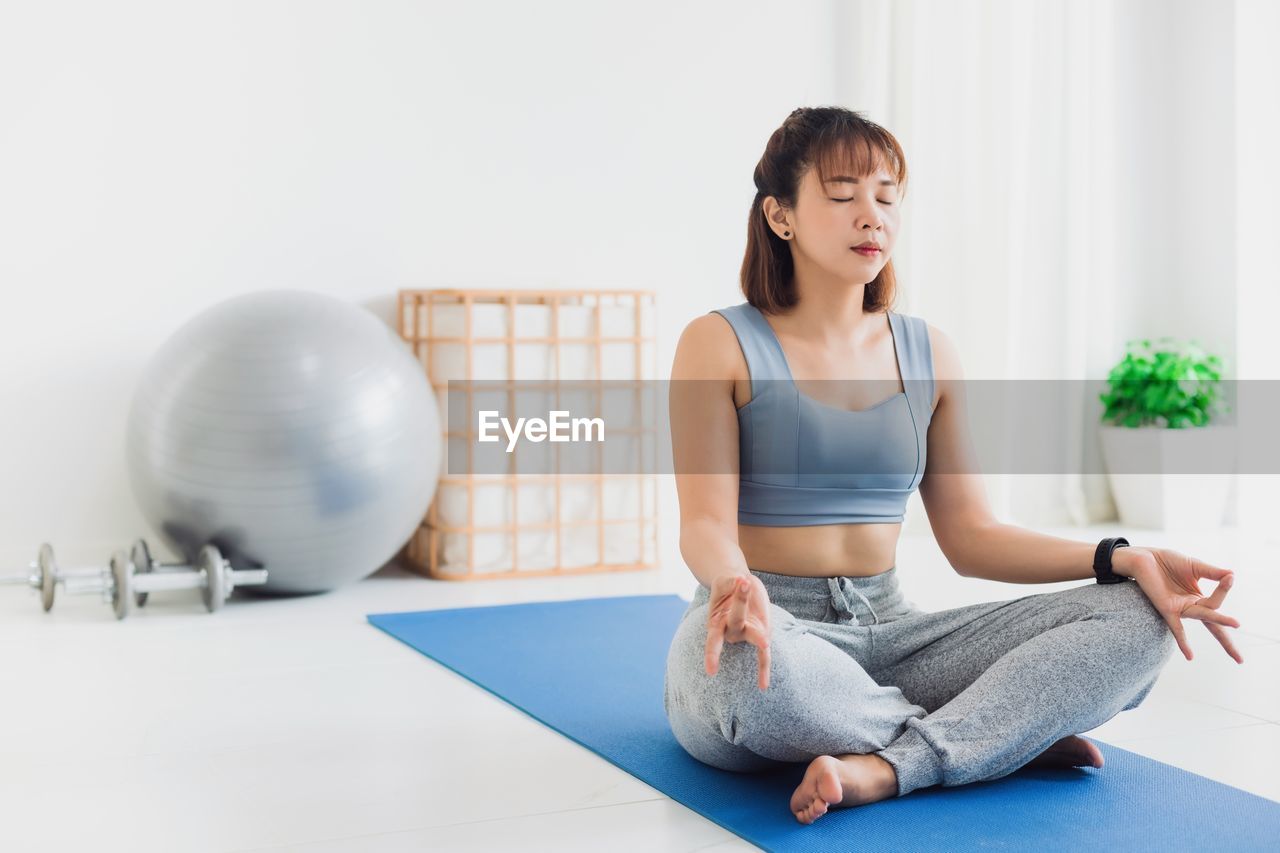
x,y
592,669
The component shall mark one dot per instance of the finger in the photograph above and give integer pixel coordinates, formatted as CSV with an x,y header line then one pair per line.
x,y
741,614
1205,613
732,622
736,608
715,644
748,596
1204,570
739,608
1225,640
763,660
754,634
760,638
1220,591
1175,625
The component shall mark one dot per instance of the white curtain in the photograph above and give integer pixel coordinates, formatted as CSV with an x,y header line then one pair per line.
x,y
1040,216
1258,138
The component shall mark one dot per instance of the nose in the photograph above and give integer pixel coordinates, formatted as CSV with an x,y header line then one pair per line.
x,y
868,217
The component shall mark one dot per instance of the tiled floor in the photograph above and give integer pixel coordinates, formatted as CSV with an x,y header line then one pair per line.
x,y
294,725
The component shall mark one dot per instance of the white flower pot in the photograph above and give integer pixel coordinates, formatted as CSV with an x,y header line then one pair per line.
x,y
1170,501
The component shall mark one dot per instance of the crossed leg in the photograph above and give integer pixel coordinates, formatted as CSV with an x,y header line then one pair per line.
x,y
952,697
1003,682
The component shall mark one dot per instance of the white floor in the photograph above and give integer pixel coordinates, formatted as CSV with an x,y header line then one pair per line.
x,y
295,725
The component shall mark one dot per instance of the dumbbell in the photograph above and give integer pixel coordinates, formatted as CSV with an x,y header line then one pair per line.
x,y
47,575
75,581
123,582
213,575
143,562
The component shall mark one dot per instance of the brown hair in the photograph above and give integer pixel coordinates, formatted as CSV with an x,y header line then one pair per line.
x,y
828,138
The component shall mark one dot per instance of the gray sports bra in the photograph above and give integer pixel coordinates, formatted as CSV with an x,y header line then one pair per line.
x,y
803,462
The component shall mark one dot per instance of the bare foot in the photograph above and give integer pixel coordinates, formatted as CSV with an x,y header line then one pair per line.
x,y
842,781
1070,751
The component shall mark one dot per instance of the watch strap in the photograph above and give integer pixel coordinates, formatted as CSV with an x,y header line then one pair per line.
x,y
1102,560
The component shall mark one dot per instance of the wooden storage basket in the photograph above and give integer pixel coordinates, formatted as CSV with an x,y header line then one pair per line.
x,y
541,524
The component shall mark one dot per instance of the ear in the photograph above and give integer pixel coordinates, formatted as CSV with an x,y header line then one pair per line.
x,y
776,215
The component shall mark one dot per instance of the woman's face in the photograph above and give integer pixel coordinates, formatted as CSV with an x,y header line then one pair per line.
x,y
829,221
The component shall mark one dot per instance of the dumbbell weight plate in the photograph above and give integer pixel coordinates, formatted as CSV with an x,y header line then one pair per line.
x,y
122,573
209,561
141,556
48,575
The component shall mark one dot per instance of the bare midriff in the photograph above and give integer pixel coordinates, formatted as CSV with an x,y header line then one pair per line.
x,y
820,550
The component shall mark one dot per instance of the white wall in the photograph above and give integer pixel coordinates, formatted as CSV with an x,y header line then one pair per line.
x,y
156,158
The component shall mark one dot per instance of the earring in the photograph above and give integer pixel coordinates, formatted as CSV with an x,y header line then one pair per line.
x,y
786,233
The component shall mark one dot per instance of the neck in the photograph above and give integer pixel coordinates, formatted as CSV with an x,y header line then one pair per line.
x,y
829,310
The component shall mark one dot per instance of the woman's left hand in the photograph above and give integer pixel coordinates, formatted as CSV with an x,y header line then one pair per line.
x,y
1171,581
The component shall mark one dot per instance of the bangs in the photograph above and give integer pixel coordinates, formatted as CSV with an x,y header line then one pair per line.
x,y
857,152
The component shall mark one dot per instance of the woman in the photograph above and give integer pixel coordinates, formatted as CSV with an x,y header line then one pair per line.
x,y
799,644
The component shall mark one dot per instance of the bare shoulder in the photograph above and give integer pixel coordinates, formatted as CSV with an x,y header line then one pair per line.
x,y
947,368
946,356
708,349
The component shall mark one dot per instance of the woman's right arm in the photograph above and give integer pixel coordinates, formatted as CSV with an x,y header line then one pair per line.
x,y
704,443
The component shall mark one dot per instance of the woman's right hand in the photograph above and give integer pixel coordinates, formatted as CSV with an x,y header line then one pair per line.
x,y
739,611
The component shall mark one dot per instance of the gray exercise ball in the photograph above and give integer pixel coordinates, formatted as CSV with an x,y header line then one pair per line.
x,y
294,431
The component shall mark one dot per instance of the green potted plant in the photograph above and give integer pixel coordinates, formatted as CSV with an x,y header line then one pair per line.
x,y
1159,410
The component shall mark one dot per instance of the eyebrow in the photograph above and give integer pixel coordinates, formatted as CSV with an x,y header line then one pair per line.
x,y
845,179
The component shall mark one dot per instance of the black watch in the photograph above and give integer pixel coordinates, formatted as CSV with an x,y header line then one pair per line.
x,y
1102,560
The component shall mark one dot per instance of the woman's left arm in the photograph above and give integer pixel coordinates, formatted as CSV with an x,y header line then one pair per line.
x,y
978,546
1003,552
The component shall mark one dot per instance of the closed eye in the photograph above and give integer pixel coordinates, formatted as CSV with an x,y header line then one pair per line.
x,y
849,199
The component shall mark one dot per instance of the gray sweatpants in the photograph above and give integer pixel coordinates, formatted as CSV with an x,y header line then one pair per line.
x,y
952,697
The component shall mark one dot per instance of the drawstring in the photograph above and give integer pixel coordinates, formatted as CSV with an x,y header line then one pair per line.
x,y
840,600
